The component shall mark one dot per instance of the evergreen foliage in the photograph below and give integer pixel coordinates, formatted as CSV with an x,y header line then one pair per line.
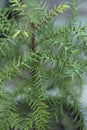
x,y
42,58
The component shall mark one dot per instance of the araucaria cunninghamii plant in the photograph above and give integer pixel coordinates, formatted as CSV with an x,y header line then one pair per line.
x,y
45,64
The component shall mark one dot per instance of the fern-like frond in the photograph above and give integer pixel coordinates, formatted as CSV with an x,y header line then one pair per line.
x,y
15,9
53,13
59,106
13,69
24,110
